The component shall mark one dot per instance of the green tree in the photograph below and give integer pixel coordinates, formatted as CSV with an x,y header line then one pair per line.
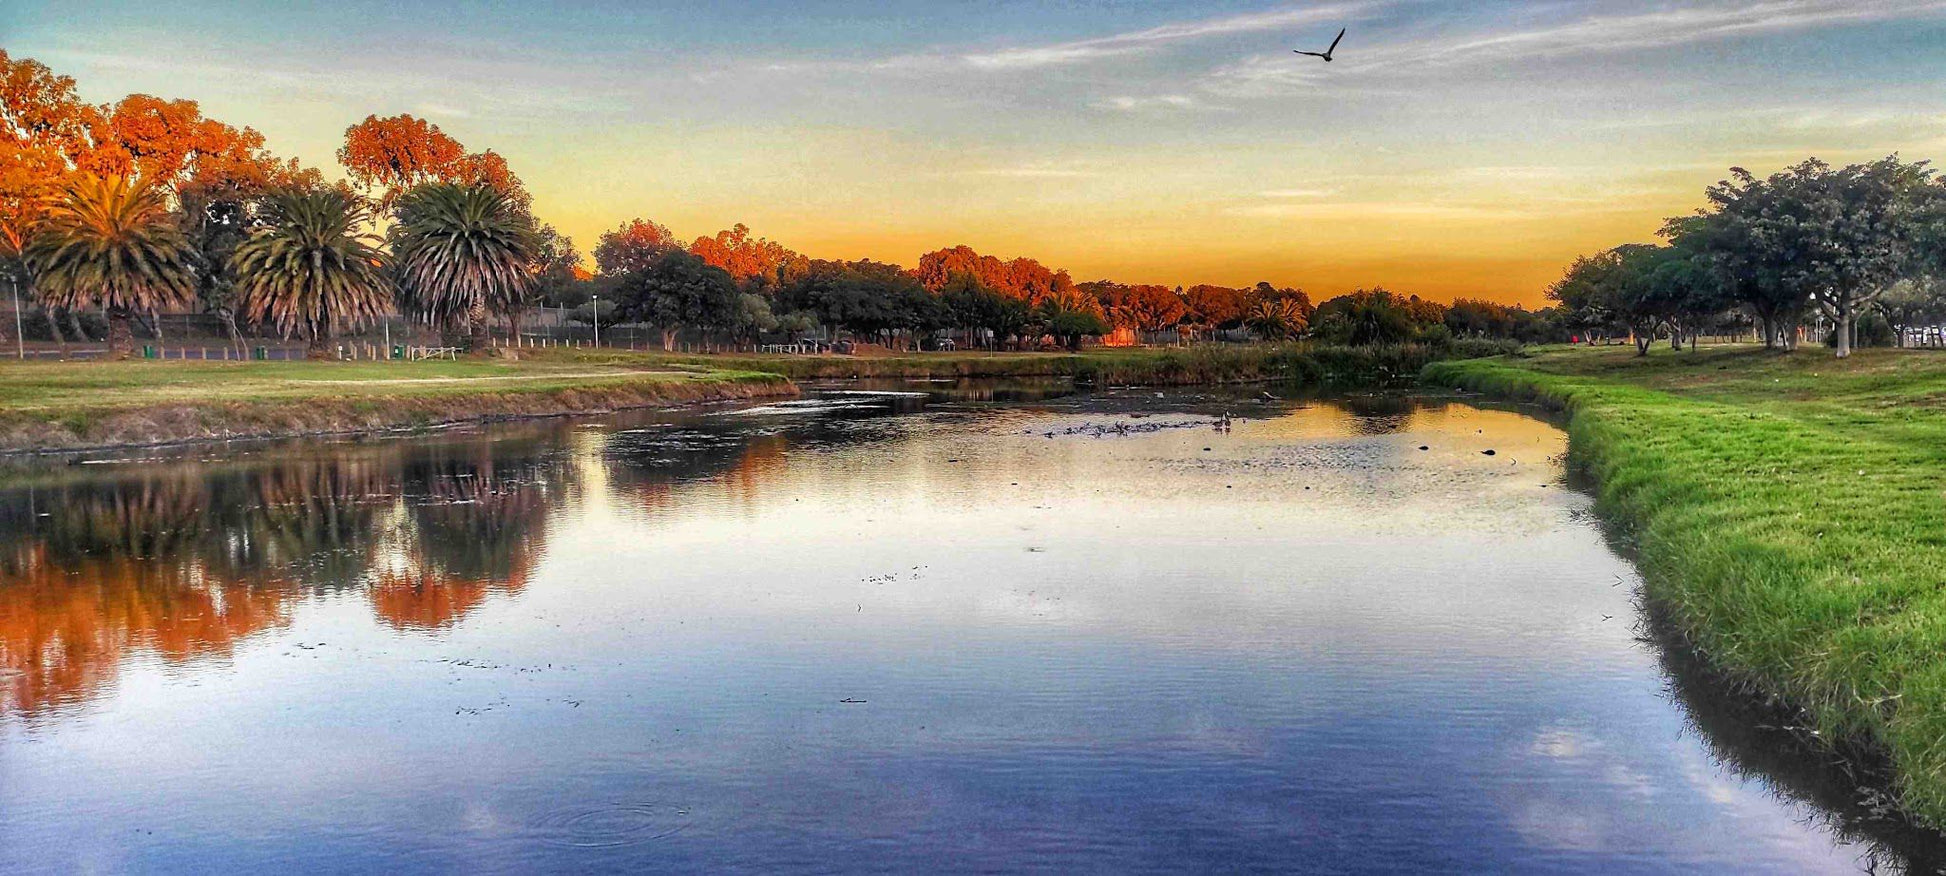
x,y
1069,325
309,269
462,254
112,243
678,290
1911,303
1838,237
1374,316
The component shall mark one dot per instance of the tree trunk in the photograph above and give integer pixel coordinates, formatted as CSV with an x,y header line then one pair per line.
x,y
1844,331
121,333
74,324
229,324
320,345
668,340
53,325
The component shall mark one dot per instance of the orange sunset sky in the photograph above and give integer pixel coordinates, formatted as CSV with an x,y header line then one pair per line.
x,y
1450,149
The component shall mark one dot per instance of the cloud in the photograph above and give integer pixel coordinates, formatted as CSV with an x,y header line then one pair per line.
x,y
1134,42
1666,27
1036,171
1127,103
1658,28
1380,210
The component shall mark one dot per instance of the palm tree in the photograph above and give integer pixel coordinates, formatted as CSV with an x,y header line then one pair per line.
x,y
111,243
1276,319
462,254
308,269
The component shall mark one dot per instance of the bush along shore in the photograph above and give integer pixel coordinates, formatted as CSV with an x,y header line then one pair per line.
x,y
1312,363
1787,514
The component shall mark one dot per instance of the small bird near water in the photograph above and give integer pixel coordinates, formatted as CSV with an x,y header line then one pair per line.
x,y
1326,54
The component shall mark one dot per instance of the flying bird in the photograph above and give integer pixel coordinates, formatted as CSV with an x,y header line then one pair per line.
x,y
1326,54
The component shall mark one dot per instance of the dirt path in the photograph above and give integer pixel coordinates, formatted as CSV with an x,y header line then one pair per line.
x,y
567,375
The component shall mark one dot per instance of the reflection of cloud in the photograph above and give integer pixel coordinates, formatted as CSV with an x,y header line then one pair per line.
x,y
1550,824
1560,744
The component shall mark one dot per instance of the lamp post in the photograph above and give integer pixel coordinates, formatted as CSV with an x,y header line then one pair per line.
x,y
20,335
595,314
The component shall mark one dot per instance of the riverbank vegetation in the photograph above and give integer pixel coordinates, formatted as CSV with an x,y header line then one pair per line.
x,y
1855,251
1306,362
1787,511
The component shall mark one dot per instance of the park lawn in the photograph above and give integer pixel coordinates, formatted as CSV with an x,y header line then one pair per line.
x,y
33,386
1788,511
68,405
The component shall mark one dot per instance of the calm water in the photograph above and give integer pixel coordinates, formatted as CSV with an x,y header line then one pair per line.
x,y
946,630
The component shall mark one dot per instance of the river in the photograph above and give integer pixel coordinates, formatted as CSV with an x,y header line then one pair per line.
x,y
916,627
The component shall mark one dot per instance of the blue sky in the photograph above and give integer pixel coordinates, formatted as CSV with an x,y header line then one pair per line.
x,y
1450,149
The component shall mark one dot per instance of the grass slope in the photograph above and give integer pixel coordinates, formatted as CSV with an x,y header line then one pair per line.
x,y
1789,511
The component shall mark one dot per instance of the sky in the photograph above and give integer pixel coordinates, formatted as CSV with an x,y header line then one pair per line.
x,y
1450,149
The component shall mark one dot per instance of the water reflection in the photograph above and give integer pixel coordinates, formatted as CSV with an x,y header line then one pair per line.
x,y
1089,632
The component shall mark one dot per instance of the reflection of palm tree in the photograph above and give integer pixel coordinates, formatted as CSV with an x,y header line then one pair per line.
x,y
471,529
320,520
187,563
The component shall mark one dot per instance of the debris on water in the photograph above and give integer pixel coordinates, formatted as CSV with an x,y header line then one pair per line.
x,y
1424,447
1487,452
852,701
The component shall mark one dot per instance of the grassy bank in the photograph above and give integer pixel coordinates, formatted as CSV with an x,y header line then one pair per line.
x,y
71,405
1789,512
1154,366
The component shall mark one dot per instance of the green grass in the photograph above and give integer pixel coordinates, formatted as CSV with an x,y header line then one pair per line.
x,y
57,405
1789,511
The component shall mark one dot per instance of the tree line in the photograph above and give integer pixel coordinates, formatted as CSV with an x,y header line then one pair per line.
x,y
129,209
1855,251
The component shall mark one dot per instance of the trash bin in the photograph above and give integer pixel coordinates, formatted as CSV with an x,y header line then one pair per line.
x,y
148,351
261,354
398,351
